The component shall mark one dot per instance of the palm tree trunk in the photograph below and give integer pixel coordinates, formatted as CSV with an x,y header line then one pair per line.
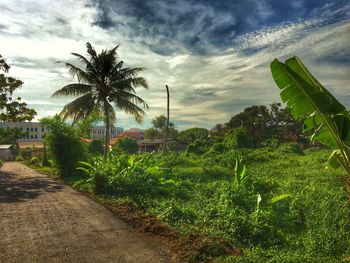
x,y
107,134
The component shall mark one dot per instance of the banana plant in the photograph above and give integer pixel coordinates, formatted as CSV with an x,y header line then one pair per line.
x,y
324,116
239,172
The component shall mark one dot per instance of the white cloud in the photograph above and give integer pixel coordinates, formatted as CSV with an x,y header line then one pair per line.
x,y
205,90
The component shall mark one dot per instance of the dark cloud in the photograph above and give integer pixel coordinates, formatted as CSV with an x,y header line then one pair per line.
x,y
204,26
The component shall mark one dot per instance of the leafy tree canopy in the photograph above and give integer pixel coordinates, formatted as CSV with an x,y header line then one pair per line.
x,y
190,135
64,144
262,123
104,84
12,109
159,127
127,145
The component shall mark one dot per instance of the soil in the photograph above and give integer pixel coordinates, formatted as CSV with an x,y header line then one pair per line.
x,y
43,220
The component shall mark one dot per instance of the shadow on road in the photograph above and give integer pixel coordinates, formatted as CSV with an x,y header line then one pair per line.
x,y
17,189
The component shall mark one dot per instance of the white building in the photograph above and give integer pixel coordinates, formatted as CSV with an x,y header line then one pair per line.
x,y
98,132
34,130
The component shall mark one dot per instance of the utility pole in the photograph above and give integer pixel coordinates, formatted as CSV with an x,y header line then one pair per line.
x,y
167,121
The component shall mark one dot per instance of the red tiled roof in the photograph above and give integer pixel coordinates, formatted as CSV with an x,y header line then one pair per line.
x,y
129,134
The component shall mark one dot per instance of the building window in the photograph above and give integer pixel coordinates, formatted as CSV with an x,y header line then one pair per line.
x,y
31,129
36,129
42,129
27,129
36,136
31,136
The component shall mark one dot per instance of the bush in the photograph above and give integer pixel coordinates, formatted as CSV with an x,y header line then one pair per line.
x,y
96,147
64,145
238,138
1,163
26,154
19,159
197,147
126,145
291,147
34,161
190,135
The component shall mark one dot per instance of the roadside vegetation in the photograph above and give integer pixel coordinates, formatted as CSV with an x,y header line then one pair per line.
x,y
254,189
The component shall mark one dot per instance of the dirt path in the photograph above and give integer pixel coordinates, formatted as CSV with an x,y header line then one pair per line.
x,y
42,220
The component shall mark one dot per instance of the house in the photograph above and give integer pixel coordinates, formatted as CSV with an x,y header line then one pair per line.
x,y
134,135
6,153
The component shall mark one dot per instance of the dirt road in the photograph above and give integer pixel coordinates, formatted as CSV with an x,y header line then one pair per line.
x,y
42,220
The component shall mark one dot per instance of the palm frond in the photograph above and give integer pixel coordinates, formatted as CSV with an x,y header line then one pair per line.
x,y
91,51
81,75
131,108
90,68
133,98
126,73
79,108
73,90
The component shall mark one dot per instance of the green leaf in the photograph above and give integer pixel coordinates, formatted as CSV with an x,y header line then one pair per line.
x,y
323,115
279,198
333,160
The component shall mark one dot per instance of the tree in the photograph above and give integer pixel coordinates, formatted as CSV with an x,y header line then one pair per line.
x,y
263,122
11,109
254,120
190,135
3,65
84,126
103,85
238,138
127,145
96,147
152,134
159,129
282,124
64,144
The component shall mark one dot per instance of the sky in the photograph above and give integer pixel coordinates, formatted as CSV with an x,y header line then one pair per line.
x,y
214,55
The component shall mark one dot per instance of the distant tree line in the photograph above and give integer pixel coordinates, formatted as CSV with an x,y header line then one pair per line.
x,y
264,122
260,123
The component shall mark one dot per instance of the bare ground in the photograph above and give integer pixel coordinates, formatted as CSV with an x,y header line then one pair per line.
x,y
42,220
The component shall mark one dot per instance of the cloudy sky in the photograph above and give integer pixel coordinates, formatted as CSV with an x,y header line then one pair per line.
x,y
214,55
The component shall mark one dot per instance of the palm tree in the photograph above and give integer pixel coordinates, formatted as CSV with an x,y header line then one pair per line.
x,y
103,85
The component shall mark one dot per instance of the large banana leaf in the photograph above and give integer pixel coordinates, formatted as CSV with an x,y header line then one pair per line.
x,y
323,115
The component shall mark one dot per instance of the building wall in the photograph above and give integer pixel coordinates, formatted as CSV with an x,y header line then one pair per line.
x,y
98,132
6,154
34,130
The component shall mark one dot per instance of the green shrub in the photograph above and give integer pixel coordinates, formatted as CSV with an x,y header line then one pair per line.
x,y
290,147
19,159
190,135
34,161
126,145
273,143
238,138
1,163
197,147
218,147
64,146
26,154
96,147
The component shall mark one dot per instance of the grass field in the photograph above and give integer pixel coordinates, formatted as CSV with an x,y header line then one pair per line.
x,y
290,208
